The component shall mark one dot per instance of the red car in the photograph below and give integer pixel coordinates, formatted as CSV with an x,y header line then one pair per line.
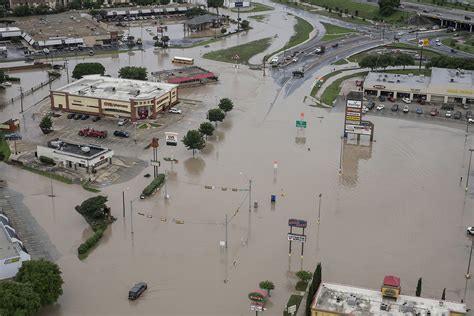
x,y
434,112
391,99
90,132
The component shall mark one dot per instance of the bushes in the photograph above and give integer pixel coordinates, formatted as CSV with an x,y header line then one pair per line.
x,y
155,184
93,240
47,160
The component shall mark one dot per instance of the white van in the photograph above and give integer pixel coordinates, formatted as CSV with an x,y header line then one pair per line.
x,y
274,60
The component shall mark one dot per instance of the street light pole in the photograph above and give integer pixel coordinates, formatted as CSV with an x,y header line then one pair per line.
x,y
340,155
123,203
21,99
226,231
250,195
468,276
468,169
319,211
131,215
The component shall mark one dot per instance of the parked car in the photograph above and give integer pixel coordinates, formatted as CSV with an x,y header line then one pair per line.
x,y
77,116
419,111
84,117
137,290
364,110
391,99
406,109
122,122
371,105
95,118
470,120
470,230
395,108
468,114
380,107
335,45
70,116
421,101
175,111
457,115
90,132
448,114
406,100
123,134
434,112
382,98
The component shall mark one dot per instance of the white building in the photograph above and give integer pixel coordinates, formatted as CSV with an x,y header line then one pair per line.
x,y
76,156
115,97
12,251
444,85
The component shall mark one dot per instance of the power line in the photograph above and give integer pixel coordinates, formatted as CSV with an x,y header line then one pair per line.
x,y
212,187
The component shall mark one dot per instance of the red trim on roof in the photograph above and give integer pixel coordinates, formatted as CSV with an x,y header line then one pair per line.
x,y
391,280
192,78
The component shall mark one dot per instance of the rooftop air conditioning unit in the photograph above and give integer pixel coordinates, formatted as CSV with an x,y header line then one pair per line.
x,y
85,149
398,80
451,80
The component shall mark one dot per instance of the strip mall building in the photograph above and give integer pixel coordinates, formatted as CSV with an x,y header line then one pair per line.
x,y
113,97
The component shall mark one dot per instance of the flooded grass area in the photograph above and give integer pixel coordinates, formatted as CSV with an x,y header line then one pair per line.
x,y
302,29
244,51
258,18
332,91
255,7
334,31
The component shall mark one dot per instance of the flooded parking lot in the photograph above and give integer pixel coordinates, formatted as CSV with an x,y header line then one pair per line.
x,y
397,207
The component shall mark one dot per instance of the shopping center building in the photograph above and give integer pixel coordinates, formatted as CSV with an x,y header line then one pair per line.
x,y
443,86
115,97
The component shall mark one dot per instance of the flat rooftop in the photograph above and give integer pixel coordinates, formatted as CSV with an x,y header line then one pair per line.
x,y
67,24
183,75
79,150
444,76
116,88
359,301
396,81
7,248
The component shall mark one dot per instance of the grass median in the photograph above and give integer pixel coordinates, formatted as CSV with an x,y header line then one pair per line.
x,y
256,7
332,91
5,151
458,45
333,32
302,29
244,51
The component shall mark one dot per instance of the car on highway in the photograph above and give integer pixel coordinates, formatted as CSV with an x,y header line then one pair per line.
x,y
457,115
400,33
175,111
137,290
335,45
380,107
121,134
438,43
448,114
406,100
470,230
419,111
394,108
453,51
406,109
70,116
434,112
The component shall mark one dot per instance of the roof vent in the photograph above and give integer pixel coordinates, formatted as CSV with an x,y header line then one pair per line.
x,y
85,149
398,80
384,307
451,80
352,300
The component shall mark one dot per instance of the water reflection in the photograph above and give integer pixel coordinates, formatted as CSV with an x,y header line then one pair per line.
x,y
194,166
353,150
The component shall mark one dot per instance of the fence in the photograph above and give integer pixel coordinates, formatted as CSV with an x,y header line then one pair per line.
x,y
29,91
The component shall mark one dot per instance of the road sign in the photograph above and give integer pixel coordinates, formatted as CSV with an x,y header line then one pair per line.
x,y
297,223
171,138
296,237
301,124
239,4
155,163
291,309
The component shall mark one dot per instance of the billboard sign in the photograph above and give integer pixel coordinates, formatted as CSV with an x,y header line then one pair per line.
x,y
301,124
171,138
239,4
297,223
296,237
354,104
258,296
359,129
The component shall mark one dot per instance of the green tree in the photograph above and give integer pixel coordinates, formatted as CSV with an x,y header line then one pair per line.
x,y
21,10
46,123
18,299
245,24
304,276
206,129
164,2
195,11
443,296
2,76
368,61
388,7
267,286
313,288
418,288
84,69
165,40
385,61
136,73
44,277
226,104
215,115
93,207
404,60
216,4
194,140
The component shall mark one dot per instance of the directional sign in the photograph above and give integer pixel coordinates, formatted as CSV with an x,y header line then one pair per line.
x,y
239,4
301,124
297,223
155,163
296,237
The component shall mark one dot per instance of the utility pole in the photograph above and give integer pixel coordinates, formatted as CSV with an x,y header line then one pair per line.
x,y
66,64
421,56
250,195
131,215
468,169
319,211
123,203
340,155
226,231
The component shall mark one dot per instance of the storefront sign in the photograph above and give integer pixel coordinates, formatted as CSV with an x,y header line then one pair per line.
x,y
379,86
296,237
113,105
297,223
354,104
12,260
459,91
257,296
171,138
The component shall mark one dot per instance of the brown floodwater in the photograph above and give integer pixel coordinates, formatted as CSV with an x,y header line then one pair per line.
x,y
396,209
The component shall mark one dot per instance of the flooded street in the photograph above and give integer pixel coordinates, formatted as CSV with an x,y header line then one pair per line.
x,y
396,209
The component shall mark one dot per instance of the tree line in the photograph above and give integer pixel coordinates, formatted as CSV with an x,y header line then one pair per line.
x,y
386,60
451,62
